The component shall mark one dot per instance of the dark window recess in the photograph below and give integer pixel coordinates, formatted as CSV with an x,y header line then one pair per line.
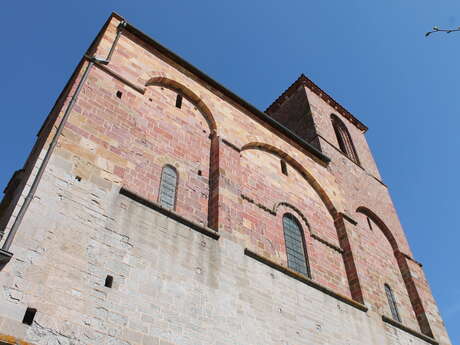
x,y
108,281
199,173
179,101
369,222
392,303
344,139
284,167
168,186
119,94
295,245
29,316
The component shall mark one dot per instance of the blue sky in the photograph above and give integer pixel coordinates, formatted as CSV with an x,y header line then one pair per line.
x,y
370,56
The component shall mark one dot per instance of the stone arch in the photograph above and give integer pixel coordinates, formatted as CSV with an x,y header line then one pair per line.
x,y
300,169
405,271
381,225
163,80
342,235
295,209
344,139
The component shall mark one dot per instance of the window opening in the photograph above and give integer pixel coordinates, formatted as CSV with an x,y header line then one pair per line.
x,y
295,246
108,281
392,303
284,167
179,101
168,186
29,316
344,139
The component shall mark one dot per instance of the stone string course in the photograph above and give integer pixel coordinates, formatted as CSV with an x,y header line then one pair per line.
x,y
181,277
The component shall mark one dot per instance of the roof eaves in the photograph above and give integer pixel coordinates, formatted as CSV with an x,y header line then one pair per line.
x,y
207,79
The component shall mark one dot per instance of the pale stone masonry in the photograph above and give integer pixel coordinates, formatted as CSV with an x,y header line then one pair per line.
x,y
214,270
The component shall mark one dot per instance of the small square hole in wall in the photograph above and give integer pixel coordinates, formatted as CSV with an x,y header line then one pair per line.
x,y
199,173
108,281
78,178
119,94
29,316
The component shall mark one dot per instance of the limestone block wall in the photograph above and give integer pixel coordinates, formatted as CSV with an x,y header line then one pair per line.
x,y
172,284
187,276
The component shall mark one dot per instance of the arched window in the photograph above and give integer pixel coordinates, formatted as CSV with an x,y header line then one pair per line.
x,y
295,246
168,186
344,139
392,303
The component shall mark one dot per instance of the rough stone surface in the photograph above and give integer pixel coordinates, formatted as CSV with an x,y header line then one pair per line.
x,y
172,284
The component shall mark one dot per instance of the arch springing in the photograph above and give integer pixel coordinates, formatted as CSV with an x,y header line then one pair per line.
x,y
344,139
295,245
168,187
392,303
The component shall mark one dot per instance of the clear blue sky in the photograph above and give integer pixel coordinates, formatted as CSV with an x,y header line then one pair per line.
x,y
371,56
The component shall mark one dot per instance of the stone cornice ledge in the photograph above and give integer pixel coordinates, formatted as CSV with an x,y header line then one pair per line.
x,y
407,256
347,217
170,214
233,146
325,242
303,279
409,330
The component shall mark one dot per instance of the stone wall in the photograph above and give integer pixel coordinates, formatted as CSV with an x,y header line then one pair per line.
x,y
190,282
172,284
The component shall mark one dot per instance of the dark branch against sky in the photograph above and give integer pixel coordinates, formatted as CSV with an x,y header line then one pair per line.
x,y
436,29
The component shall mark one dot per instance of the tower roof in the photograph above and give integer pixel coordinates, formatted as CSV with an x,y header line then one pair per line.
x,y
305,81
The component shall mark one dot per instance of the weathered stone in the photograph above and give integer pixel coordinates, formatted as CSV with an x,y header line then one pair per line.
x,y
184,276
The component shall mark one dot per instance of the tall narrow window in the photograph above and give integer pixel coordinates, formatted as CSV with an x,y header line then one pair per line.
x,y
179,101
295,246
344,139
168,186
392,303
284,167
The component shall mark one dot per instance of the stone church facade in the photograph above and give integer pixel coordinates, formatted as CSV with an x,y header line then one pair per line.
x,y
159,208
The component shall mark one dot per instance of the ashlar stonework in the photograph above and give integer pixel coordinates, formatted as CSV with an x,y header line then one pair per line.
x,y
210,266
